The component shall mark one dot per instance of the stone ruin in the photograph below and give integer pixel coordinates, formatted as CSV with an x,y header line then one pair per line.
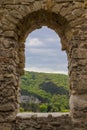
x,y
18,18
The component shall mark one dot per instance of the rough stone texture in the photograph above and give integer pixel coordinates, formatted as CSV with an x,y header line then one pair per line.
x,y
18,18
6,126
43,122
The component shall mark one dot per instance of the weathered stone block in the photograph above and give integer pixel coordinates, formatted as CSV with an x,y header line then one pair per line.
x,y
5,126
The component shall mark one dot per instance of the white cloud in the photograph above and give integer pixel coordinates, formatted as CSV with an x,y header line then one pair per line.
x,y
33,42
42,51
45,70
53,39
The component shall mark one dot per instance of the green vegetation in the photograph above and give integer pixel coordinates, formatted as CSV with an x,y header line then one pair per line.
x,y
51,90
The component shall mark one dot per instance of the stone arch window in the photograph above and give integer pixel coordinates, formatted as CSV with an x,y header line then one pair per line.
x,y
42,20
18,18
43,54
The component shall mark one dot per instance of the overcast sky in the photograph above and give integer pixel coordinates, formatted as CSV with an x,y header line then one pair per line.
x,y
43,52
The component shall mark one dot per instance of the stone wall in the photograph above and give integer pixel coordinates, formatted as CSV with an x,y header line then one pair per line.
x,y
18,18
43,121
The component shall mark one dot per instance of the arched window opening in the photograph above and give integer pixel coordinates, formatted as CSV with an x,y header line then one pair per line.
x,y
44,86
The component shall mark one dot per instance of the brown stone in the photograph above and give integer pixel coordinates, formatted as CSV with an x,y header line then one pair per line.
x,y
5,126
18,18
7,107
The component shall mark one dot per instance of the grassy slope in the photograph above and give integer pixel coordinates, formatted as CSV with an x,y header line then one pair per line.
x,y
32,81
49,88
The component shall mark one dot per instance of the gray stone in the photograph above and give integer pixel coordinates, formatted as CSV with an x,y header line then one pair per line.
x,y
18,18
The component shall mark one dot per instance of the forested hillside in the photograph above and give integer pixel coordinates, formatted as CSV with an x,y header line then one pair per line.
x,y
44,92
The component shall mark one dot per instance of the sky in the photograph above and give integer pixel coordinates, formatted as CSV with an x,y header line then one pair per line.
x,y
43,52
